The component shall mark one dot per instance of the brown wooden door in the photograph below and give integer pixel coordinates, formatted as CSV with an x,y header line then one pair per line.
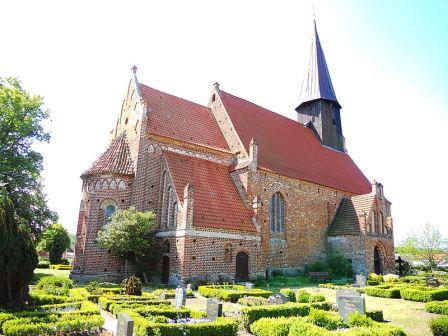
x,y
242,267
165,270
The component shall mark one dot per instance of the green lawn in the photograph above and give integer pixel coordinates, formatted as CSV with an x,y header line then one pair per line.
x,y
43,272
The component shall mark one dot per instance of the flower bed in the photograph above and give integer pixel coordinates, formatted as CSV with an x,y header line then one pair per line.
x,y
231,292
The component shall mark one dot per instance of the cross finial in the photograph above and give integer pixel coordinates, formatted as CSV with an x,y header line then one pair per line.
x,y
134,69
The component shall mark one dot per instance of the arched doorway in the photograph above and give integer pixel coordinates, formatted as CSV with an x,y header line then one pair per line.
x,y
377,262
242,267
165,270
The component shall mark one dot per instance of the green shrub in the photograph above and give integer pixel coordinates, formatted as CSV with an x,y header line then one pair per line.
x,y
376,315
393,293
222,326
424,294
133,285
272,326
252,314
390,278
325,319
415,279
170,293
289,292
302,327
93,287
437,307
317,298
372,283
52,324
43,264
375,277
339,265
359,320
55,285
39,297
231,292
105,301
439,326
303,296
318,266
253,301
321,305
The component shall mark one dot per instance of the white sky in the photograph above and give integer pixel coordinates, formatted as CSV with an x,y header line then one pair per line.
x,y
78,55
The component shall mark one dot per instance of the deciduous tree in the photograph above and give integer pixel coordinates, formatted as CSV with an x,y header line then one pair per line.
x,y
54,240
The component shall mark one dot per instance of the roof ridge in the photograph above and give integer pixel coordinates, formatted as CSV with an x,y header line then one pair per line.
x,y
171,95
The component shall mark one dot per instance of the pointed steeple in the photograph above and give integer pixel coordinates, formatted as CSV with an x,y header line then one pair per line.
x,y
317,81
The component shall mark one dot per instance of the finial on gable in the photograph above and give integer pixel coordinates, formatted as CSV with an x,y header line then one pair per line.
x,y
216,86
134,69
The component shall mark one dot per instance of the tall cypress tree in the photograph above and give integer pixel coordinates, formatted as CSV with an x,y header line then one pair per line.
x,y
18,256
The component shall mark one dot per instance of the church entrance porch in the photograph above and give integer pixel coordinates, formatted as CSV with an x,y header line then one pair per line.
x,y
242,267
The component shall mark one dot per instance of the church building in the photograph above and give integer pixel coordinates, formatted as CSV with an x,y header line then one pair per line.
x,y
239,191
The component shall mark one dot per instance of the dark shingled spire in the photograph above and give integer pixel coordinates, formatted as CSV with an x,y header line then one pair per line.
x,y
115,160
317,81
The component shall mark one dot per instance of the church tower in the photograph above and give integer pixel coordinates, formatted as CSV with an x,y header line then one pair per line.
x,y
318,107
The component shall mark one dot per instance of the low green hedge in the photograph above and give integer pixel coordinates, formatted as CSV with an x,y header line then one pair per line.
x,y
437,307
43,264
424,294
55,285
303,296
392,293
222,326
253,301
325,324
51,324
439,326
170,293
158,310
231,292
105,301
252,314
376,315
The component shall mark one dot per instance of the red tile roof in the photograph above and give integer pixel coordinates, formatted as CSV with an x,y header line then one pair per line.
x,y
288,148
216,200
115,160
181,119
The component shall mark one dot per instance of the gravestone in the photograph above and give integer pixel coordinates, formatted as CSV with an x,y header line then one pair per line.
x,y
163,296
361,280
432,282
249,286
214,309
125,325
278,298
180,298
348,302
189,287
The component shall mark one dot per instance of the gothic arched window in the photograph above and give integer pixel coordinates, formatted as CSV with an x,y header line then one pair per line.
x,y
277,213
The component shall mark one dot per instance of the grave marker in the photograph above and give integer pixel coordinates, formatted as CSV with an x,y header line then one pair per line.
x,y
214,309
180,298
125,325
348,302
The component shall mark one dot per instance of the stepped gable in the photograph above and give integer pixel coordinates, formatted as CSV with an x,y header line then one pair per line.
x,y
216,201
180,119
289,148
116,159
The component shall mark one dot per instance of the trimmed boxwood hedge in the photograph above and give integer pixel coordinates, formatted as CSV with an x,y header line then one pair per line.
x,y
252,314
439,326
231,292
392,293
105,301
424,294
437,307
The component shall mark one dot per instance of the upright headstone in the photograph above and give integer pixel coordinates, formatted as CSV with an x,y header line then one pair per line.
x,y
214,309
125,325
189,287
249,286
432,282
361,280
349,301
180,298
163,296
